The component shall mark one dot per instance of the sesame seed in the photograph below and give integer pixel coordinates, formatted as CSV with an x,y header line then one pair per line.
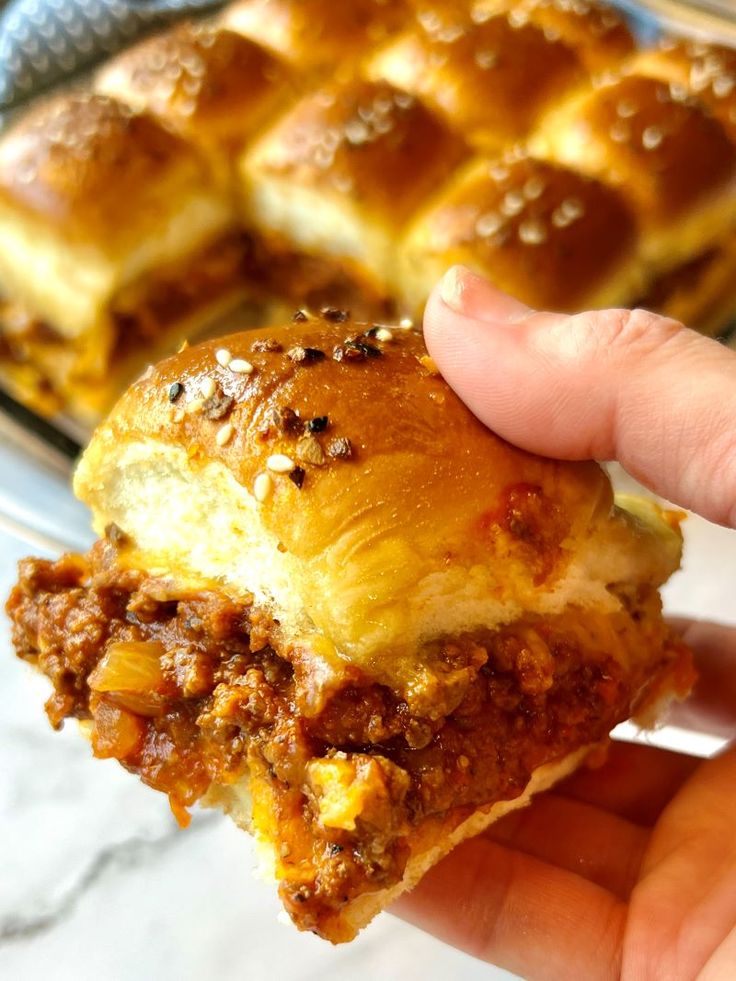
x,y
429,364
723,86
572,208
383,334
626,108
297,476
280,463
240,366
533,189
175,391
223,357
207,387
620,132
224,434
532,232
178,415
652,137
406,323
512,204
340,448
318,424
488,224
194,406
334,315
262,487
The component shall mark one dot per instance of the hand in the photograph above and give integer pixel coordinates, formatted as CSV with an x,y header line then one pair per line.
x,y
630,870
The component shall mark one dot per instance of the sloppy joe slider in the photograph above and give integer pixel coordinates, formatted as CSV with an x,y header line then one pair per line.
x,y
327,600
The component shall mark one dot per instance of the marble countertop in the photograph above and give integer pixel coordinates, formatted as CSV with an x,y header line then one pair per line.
x,y
98,882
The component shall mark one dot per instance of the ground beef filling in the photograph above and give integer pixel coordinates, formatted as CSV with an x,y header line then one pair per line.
x,y
187,691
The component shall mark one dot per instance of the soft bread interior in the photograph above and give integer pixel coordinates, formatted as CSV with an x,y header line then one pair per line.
x,y
220,535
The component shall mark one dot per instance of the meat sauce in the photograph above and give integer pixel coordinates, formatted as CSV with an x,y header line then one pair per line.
x,y
188,691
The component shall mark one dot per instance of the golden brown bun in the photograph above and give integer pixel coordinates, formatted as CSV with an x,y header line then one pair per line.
x,y
92,195
547,235
408,521
672,159
316,35
477,75
706,72
209,85
362,156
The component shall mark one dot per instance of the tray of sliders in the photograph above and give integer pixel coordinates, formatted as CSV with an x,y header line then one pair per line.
x,y
284,154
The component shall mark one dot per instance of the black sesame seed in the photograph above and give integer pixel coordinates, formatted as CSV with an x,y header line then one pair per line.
x,y
335,849
300,317
334,315
313,354
318,424
175,391
297,475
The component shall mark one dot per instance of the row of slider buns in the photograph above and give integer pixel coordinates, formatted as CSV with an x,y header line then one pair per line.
x,y
314,152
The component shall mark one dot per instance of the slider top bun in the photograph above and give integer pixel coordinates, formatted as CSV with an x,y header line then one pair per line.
x,y
209,85
92,195
395,518
315,35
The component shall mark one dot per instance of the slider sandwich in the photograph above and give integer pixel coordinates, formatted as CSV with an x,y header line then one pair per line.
x,y
330,602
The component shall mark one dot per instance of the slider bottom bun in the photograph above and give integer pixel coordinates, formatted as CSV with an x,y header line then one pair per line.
x,y
327,600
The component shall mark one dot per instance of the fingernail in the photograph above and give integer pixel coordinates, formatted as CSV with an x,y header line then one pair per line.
x,y
473,296
452,288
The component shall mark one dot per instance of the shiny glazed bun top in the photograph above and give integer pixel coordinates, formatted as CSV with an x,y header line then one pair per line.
x,y
327,469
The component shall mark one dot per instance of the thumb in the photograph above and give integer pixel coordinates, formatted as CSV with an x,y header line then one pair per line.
x,y
623,385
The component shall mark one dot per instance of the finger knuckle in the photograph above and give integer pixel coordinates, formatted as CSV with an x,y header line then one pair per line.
x,y
617,334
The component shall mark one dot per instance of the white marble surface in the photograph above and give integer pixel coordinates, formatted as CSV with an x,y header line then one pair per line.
x,y
95,879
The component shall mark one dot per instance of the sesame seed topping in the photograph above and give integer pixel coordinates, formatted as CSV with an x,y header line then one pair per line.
x,y
498,172
223,357
262,487
207,387
512,204
178,415
334,315
224,434
280,463
286,420
175,391
340,448
318,424
305,355
620,132
300,317
383,334
489,224
240,366
308,450
532,232
486,59
534,188
626,109
406,323
572,208
218,406
269,344
652,137
195,406
723,86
